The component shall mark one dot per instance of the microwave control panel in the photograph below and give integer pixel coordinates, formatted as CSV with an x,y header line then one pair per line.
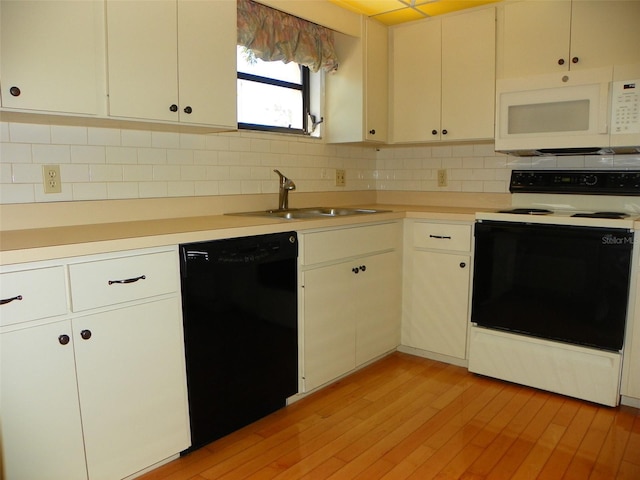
x,y
625,114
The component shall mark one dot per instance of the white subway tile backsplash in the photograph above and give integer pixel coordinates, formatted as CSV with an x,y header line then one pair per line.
x,y
112,163
65,135
15,153
29,133
165,140
88,154
51,154
27,173
17,193
121,155
122,190
105,173
135,138
104,136
152,189
180,189
206,188
152,156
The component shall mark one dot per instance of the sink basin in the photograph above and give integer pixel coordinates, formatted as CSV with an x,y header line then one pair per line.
x,y
311,212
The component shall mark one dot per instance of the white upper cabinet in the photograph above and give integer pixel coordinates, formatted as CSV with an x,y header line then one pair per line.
x,y
52,56
173,61
443,78
537,37
357,94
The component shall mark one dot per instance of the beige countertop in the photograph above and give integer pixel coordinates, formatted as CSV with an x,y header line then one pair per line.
x,y
36,244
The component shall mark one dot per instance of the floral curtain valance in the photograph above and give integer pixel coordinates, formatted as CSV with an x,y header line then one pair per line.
x,y
273,35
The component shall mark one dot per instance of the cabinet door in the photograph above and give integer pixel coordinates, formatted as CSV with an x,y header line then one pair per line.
x,y
416,82
468,75
131,382
53,52
143,57
439,303
377,301
377,82
207,62
605,32
534,37
41,430
329,324
345,92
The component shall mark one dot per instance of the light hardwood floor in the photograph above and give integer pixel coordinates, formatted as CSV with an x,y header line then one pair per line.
x,y
405,417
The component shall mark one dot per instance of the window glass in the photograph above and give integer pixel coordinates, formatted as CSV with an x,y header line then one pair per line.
x,y
271,95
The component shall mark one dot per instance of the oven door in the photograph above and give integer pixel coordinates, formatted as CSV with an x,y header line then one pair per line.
x,y
557,282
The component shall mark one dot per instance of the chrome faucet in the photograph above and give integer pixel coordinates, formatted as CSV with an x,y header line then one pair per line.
x,y
286,184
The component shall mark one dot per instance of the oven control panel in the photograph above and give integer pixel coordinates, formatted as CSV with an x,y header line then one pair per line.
x,y
592,182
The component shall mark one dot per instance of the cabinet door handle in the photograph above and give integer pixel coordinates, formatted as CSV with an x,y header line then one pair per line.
x,y
355,270
561,61
188,109
442,237
173,107
9,300
462,264
63,339
372,131
434,132
14,91
85,334
128,280
363,268
575,60
444,132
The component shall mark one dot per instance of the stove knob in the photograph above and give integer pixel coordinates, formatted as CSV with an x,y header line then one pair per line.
x,y
590,180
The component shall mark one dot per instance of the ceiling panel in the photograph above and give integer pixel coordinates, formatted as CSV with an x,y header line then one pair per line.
x,y
393,12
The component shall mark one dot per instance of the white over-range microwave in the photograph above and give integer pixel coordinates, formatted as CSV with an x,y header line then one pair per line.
x,y
575,112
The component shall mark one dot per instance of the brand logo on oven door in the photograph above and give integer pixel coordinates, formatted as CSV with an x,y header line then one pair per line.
x,y
610,239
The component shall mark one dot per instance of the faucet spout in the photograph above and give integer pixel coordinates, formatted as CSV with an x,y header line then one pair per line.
x,y
286,184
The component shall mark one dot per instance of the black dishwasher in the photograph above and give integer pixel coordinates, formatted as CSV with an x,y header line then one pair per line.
x,y
239,300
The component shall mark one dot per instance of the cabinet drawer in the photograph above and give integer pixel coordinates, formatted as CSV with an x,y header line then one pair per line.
x,y
112,281
348,242
32,294
442,236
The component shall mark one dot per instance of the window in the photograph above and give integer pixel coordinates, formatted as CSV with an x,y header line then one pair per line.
x,y
272,96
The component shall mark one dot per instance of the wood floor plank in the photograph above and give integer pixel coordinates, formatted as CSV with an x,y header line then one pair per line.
x,y
406,417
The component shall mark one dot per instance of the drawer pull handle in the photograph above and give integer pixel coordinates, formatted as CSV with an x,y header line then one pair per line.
x,y
9,300
443,237
128,280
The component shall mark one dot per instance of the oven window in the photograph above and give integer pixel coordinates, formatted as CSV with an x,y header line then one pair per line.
x,y
555,282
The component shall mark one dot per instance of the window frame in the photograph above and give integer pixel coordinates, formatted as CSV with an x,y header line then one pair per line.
x,y
304,87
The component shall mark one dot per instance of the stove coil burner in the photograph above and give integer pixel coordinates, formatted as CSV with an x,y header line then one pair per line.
x,y
612,215
527,211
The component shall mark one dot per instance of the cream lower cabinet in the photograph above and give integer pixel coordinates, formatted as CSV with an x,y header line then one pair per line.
x,y
97,390
350,294
437,273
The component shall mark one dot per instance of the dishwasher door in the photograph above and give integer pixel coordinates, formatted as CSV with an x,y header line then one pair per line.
x,y
240,325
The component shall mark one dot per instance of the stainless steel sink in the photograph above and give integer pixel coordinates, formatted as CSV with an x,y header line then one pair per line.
x,y
311,212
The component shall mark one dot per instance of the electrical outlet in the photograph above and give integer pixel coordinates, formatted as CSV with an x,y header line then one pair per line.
x,y
340,178
442,177
51,179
